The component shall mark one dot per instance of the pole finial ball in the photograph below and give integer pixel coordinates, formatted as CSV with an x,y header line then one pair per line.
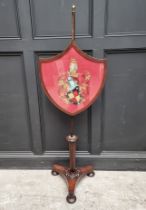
x,y
73,7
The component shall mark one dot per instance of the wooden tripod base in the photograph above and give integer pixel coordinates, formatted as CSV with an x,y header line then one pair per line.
x,y
72,177
72,174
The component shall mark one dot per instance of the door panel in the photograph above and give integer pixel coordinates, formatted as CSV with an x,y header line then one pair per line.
x,y
9,22
127,16
14,124
125,102
56,24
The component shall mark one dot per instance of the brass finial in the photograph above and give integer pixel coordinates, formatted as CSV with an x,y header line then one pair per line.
x,y
73,8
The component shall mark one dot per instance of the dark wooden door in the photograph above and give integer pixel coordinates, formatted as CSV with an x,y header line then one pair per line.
x,y
113,131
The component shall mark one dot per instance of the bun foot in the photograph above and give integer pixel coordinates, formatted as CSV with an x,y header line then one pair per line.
x,y
91,174
54,173
71,199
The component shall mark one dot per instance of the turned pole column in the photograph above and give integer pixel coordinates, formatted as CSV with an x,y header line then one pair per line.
x,y
72,139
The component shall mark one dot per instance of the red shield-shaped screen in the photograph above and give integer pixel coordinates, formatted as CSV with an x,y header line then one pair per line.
x,y
72,80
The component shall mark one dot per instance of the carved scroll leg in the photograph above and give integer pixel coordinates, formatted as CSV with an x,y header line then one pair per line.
x,y
87,170
58,169
71,198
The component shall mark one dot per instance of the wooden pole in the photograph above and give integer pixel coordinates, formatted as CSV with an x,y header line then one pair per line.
x,y
73,21
72,139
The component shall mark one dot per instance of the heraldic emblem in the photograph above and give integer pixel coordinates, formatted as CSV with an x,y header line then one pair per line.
x,y
73,86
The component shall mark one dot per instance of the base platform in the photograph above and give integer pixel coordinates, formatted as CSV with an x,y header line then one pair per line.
x,y
72,177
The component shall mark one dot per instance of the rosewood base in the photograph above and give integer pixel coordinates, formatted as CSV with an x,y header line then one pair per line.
x,y
72,178
72,174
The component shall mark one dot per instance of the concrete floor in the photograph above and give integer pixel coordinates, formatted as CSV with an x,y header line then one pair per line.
x,y
39,190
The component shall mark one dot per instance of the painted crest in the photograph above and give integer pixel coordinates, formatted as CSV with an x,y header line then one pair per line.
x,y
72,80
